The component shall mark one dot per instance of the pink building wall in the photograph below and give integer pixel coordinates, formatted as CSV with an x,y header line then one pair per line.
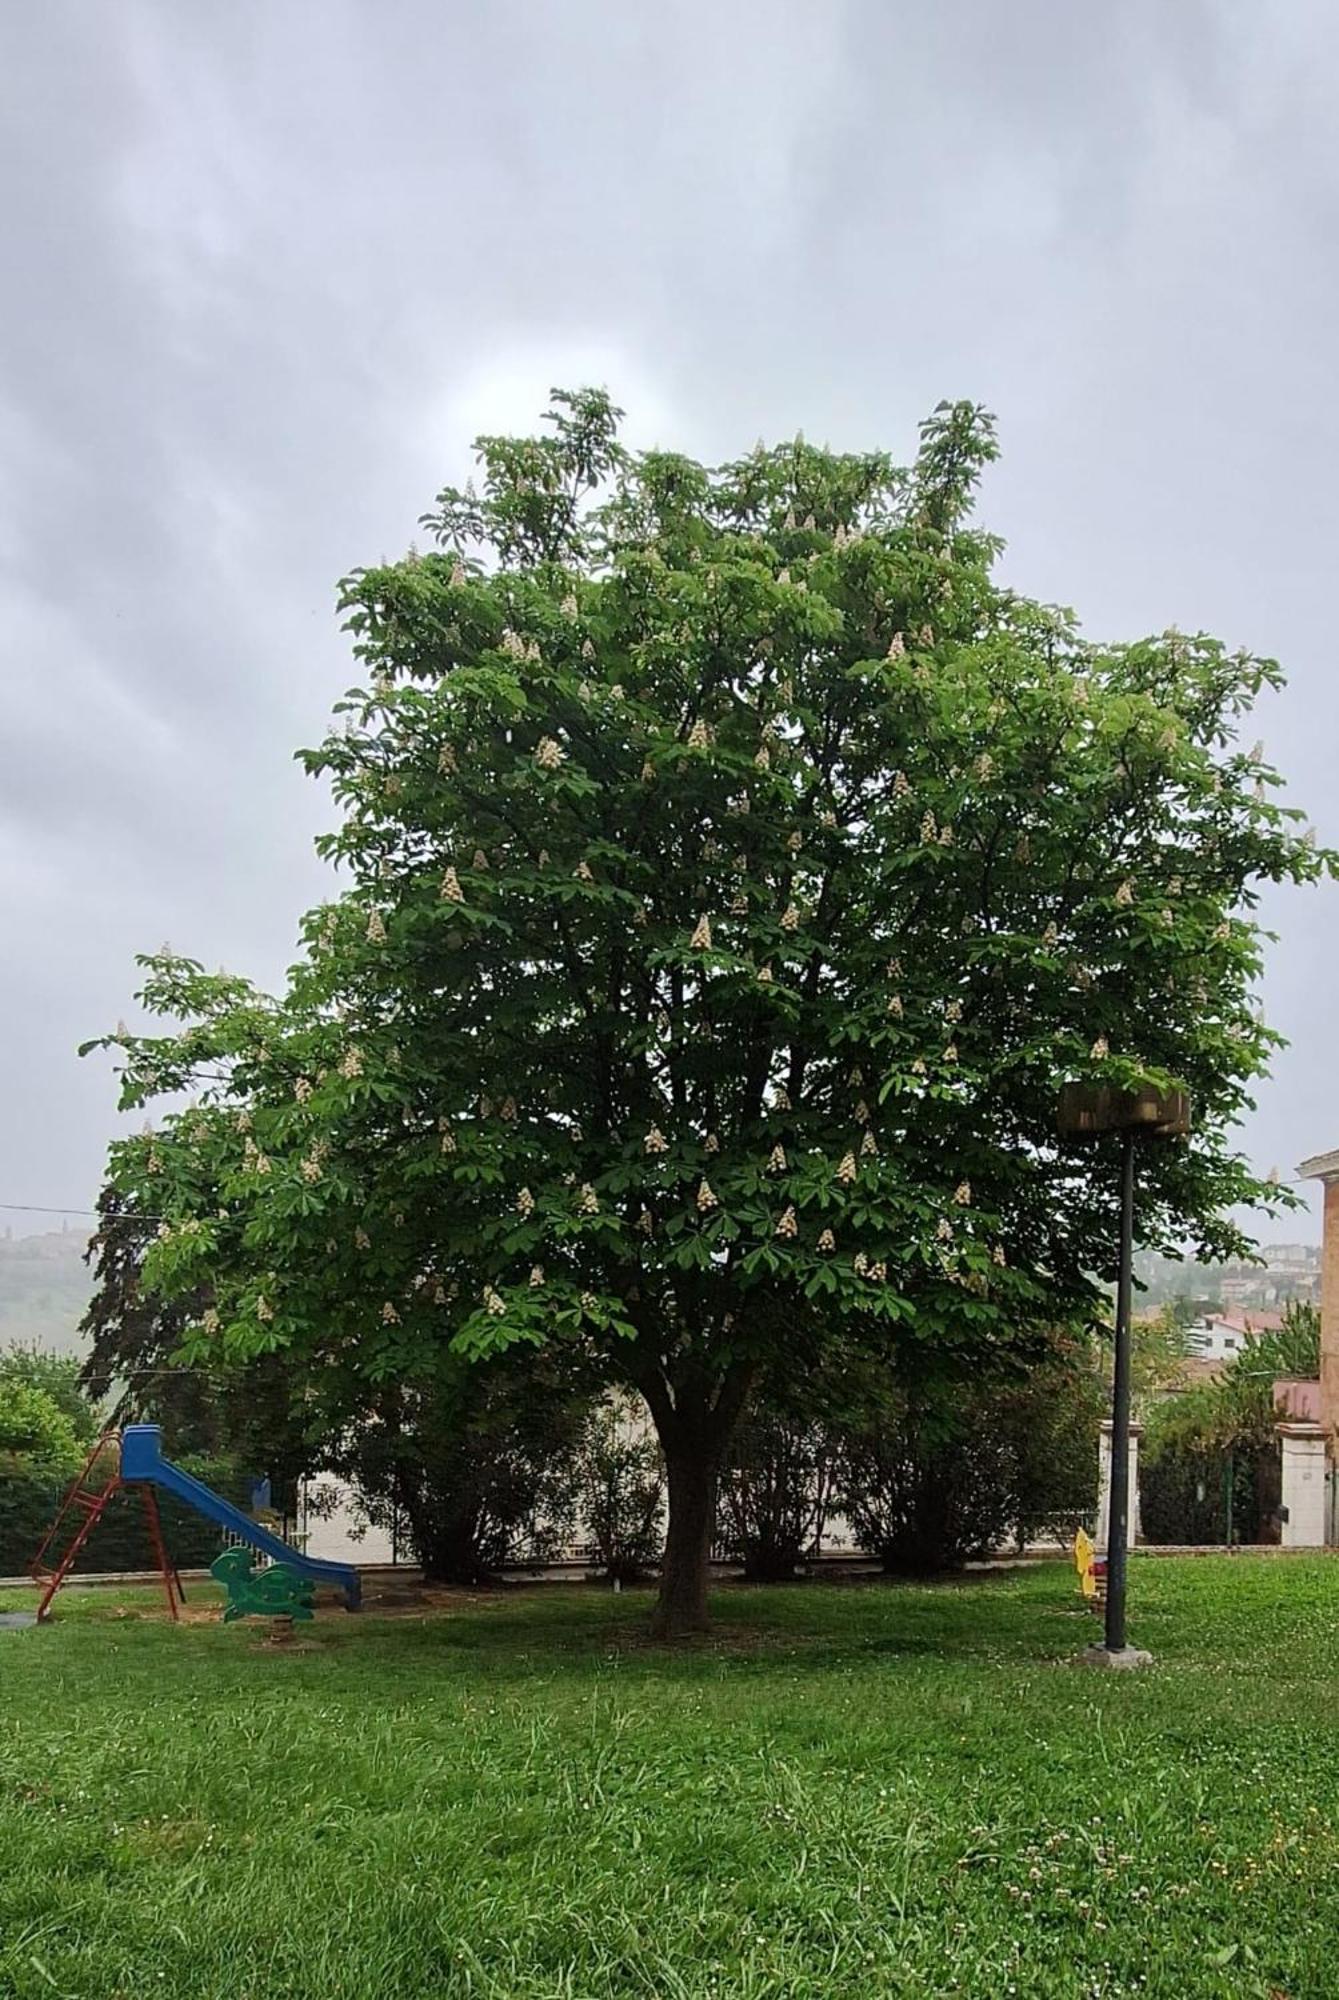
x,y
1297,1400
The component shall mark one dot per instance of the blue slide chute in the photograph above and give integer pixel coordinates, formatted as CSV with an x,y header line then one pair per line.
x,y
142,1459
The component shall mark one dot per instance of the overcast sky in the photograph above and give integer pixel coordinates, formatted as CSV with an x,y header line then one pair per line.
x,y
267,269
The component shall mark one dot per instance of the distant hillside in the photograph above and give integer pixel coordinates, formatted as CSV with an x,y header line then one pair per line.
x,y
1285,1271
45,1286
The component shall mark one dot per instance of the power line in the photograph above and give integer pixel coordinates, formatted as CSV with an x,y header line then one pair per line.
x,y
39,1208
184,1368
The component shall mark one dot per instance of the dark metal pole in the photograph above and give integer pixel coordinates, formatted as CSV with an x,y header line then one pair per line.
x,y
1119,1510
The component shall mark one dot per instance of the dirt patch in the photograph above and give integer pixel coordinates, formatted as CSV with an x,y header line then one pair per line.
x,y
167,1836
724,1640
414,1599
390,1600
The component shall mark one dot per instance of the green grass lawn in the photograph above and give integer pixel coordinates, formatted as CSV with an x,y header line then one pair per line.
x,y
852,1790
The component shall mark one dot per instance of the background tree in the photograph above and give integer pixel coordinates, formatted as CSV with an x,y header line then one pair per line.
x,y
1159,1348
1238,1406
135,1336
253,1409
736,871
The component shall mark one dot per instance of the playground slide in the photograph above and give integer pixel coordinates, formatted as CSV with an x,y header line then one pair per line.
x,y
142,1458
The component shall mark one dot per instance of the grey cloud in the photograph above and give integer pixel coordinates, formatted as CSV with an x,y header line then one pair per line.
x,y
270,265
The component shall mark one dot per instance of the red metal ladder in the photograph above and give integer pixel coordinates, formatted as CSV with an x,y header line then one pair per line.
x,y
79,1513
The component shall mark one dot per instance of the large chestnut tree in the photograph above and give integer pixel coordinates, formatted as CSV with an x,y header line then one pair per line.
x,y
735,870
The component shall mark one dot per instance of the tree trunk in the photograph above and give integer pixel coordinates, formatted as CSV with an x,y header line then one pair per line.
x,y
682,1604
695,1418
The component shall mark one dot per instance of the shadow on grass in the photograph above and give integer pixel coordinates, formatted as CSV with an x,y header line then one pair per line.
x,y
810,1629
518,1634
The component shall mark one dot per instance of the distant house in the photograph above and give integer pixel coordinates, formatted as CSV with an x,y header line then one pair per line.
x,y
1218,1336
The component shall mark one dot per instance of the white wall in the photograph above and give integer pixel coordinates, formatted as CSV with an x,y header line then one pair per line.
x,y
333,1535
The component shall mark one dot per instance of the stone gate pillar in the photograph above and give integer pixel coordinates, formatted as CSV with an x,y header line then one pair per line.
x,y
1303,1496
1104,1486
1325,1168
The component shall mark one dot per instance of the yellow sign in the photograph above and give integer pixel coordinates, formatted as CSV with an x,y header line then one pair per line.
x,y
1085,1556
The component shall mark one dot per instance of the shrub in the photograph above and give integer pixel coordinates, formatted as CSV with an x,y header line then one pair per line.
x,y
57,1376
1049,1424
477,1460
620,1491
33,1427
1204,1498
774,1493
922,1503
31,1493
942,1468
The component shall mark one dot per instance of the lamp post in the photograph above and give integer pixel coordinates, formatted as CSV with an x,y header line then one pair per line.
x,y
1085,1111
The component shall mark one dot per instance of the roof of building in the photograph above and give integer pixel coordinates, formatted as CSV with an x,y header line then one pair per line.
x,y
1248,1319
1193,1369
1322,1167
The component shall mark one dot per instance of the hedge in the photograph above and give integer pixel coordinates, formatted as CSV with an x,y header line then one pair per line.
x,y
1183,1497
30,1494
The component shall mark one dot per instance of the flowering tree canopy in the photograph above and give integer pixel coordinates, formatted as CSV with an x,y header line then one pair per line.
x,y
736,870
